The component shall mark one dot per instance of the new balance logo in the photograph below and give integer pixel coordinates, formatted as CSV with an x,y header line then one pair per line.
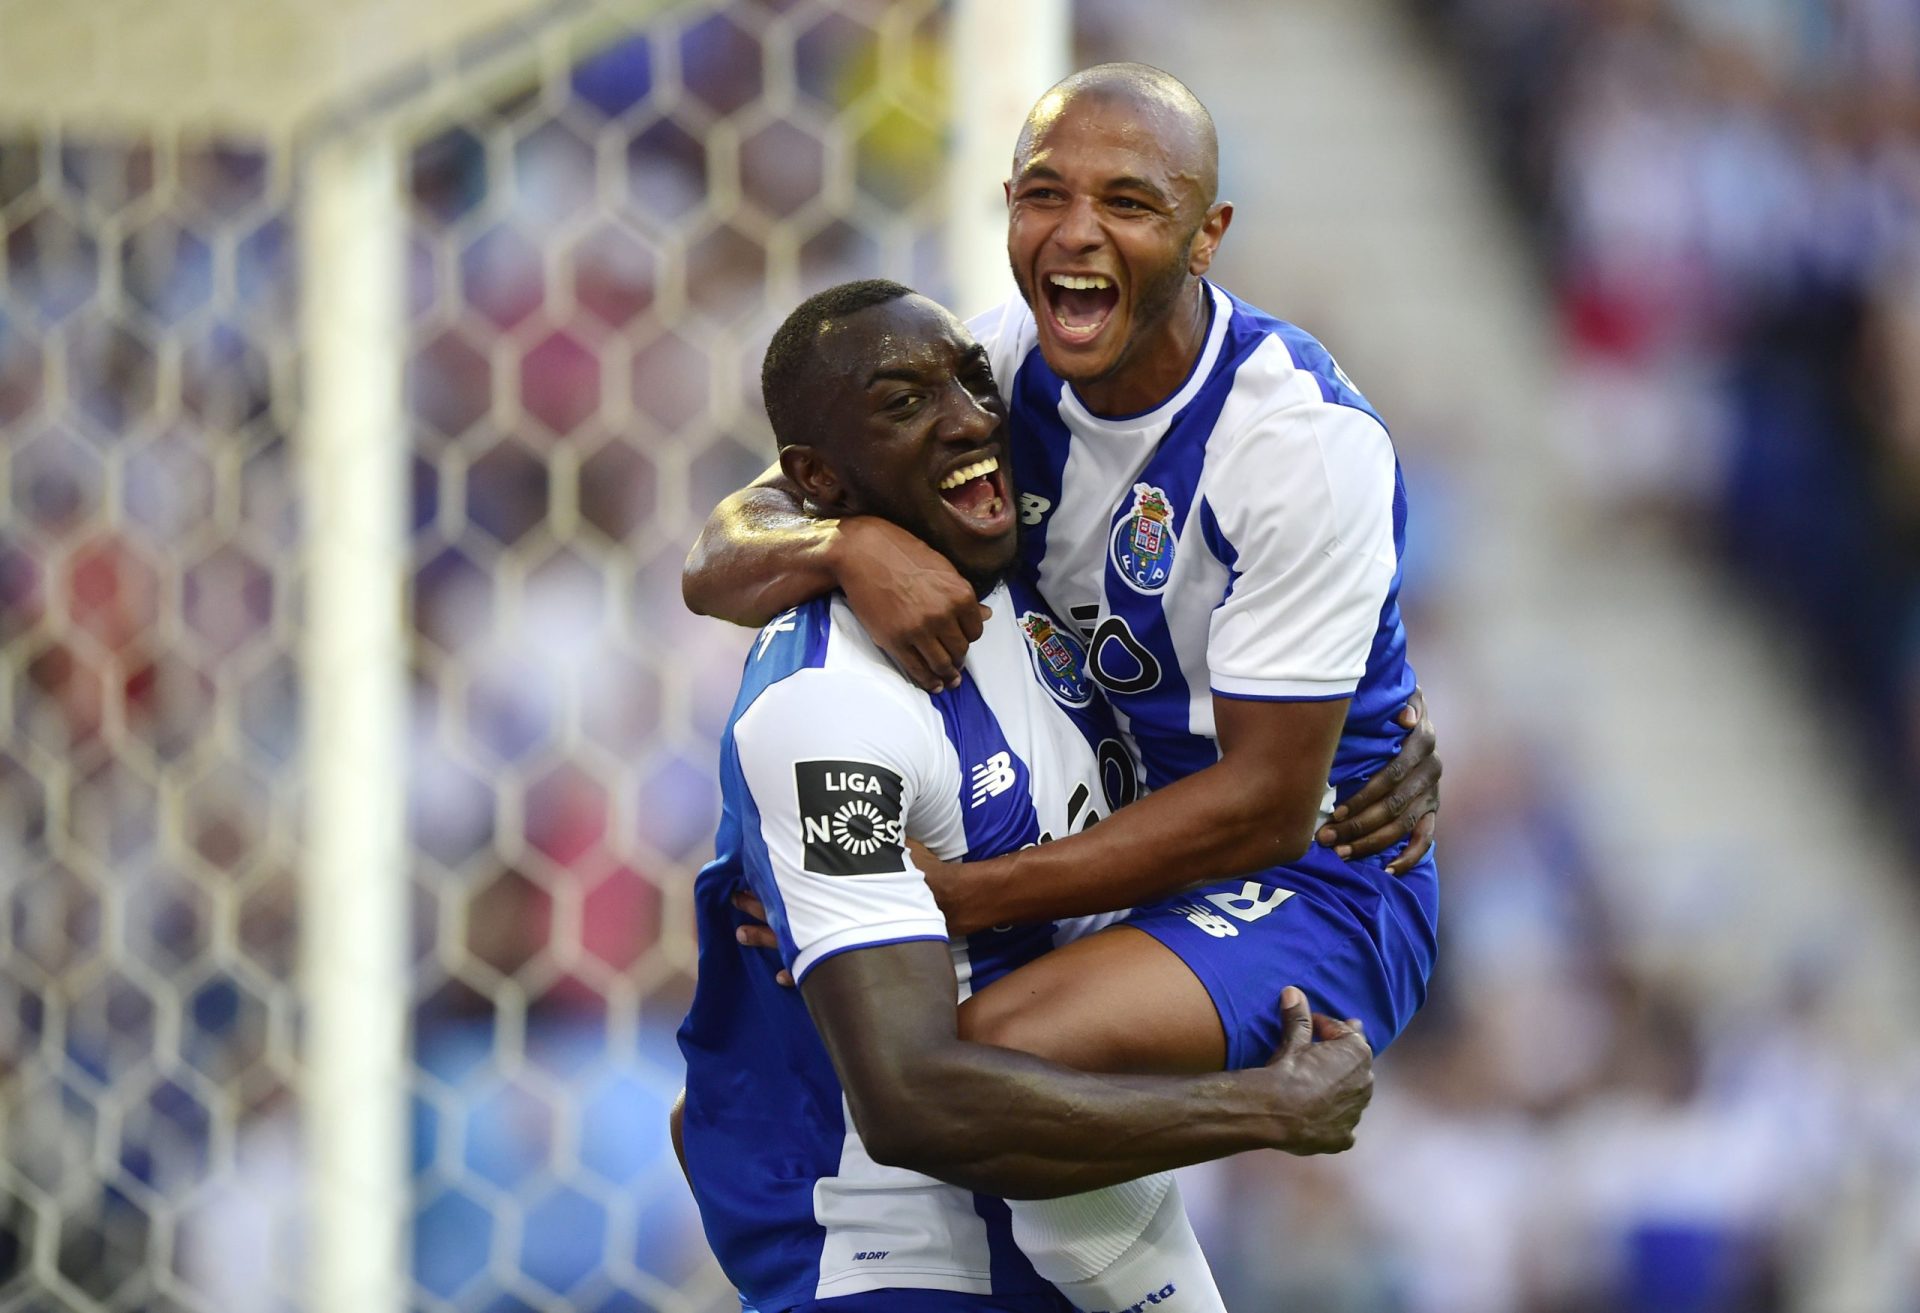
x,y
780,624
1033,509
992,777
1212,922
1254,901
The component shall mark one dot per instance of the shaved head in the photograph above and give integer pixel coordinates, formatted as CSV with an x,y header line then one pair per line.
x,y
1164,105
1113,218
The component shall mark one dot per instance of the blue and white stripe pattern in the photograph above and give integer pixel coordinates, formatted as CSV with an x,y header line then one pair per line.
x,y
793,1205
1243,539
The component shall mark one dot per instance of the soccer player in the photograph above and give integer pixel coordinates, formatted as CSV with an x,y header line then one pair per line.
x,y
812,1147
1218,515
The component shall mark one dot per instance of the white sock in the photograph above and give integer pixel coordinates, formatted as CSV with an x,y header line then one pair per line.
x,y
1126,1249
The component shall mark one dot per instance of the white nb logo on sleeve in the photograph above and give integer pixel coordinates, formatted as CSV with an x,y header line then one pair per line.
x,y
780,624
992,777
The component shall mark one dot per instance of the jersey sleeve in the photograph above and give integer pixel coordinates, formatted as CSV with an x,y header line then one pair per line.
x,y
1302,512
833,768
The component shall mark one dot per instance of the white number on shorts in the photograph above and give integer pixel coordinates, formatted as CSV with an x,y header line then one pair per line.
x,y
1253,901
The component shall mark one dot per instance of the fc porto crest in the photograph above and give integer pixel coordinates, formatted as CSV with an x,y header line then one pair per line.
x,y
1143,541
1057,659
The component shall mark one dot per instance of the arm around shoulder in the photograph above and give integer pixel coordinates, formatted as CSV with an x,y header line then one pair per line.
x,y
759,554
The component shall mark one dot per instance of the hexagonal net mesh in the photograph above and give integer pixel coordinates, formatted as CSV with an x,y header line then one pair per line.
x,y
594,265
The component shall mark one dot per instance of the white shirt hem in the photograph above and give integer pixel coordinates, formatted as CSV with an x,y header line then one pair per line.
x,y
867,936
1284,690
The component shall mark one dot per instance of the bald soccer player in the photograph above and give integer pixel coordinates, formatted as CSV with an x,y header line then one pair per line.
x,y
1218,516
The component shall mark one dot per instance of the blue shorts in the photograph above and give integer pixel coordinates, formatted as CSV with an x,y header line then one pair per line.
x,y
1359,941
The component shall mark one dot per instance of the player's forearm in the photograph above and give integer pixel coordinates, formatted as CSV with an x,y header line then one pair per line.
x,y
1007,1123
1214,824
1003,1123
759,554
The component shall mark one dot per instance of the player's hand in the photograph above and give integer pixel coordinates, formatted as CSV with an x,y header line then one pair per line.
x,y
912,601
759,935
946,882
1401,802
1324,1079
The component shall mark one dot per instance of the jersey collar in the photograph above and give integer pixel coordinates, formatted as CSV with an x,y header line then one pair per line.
x,y
1156,419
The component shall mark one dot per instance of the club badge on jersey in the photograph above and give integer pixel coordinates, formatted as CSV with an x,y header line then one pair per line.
x,y
1143,540
1058,659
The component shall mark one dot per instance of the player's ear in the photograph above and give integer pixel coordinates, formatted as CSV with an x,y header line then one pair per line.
x,y
1207,240
814,477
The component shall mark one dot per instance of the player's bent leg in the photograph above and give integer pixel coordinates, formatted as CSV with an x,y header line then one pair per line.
x,y
1359,943
1116,1001
1192,983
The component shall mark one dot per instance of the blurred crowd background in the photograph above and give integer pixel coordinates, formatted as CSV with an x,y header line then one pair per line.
x,y
1724,199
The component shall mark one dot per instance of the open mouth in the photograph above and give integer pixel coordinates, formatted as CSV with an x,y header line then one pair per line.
x,y
1080,304
977,492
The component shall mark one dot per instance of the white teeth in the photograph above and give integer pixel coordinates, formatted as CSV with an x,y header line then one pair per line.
x,y
1081,283
968,473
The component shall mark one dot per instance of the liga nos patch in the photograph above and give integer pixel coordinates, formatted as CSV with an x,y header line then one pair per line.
x,y
849,817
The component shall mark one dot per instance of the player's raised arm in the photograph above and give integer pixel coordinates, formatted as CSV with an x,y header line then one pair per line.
x,y
761,553
997,1121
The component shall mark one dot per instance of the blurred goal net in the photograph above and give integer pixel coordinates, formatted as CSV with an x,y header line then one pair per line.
x,y
364,377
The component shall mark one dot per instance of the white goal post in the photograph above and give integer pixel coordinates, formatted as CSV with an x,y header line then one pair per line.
x,y
336,97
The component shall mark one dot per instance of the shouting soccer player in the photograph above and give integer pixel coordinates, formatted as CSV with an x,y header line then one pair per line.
x,y
1218,515
812,1147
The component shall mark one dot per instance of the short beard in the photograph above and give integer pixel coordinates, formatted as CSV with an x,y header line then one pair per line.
x,y
986,580
1158,298
1157,302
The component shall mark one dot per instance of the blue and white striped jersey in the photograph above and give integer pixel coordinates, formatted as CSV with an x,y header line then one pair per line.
x,y
831,759
1243,538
